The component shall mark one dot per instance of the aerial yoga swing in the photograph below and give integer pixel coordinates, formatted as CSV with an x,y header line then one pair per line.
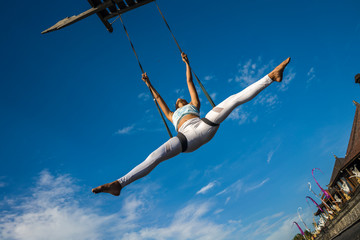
x,y
193,131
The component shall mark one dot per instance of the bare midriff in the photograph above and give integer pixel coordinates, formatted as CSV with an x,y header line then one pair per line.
x,y
185,118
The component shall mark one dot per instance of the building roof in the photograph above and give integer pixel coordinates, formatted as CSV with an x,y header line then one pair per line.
x,y
339,164
354,143
353,149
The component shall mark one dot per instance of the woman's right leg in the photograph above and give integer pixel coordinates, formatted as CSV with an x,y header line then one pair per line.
x,y
166,151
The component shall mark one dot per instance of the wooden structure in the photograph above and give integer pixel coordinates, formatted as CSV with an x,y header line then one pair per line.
x,y
343,167
345,173
105,9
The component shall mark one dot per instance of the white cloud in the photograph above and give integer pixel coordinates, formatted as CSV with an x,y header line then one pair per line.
x,y
55,209
144,96
180,93
206,188
52,211
2,183
255,119
235,188
48,213
213,96
285,231
251,188
250,72
235,221
240,115
268,99
218,211
311,76
188,223
125,130
289,75
239,187
267,224
271,153
209,77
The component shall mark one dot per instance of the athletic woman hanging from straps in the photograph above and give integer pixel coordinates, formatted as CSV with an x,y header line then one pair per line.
x,y
193,132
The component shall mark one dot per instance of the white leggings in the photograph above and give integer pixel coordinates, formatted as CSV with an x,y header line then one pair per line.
x,y
196,131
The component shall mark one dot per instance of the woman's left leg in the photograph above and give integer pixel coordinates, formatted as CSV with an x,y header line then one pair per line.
x,y
219,113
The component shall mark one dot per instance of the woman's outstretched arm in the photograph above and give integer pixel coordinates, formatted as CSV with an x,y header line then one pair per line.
x,y
158,98
192,90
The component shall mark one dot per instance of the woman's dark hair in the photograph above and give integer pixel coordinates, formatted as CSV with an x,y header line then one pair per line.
x,y
176,104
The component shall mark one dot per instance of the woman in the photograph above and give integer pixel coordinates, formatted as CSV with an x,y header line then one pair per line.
x,y
193,132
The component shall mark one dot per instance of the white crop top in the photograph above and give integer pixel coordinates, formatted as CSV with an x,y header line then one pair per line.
x,y
182,112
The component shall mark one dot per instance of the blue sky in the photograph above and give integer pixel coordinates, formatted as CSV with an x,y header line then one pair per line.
x,y
75,114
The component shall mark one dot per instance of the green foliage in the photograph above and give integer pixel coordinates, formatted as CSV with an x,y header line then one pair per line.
x,y
298,237
308,234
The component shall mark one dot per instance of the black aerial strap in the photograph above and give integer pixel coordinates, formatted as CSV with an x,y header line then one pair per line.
x,y
202,87
142,70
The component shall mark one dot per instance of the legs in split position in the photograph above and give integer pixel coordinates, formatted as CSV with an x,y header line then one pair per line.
x,y
173,146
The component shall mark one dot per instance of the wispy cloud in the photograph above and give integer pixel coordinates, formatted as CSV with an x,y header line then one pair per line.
x,y
218,211
271,154
180,93
268,99
254,119
125,130
286,229
209,77
213,96
267,224
51,211
250,72
56,209
144,96
310,76
206,188
235,188
253,70
188,223
240,115
289,75
239,187
48,212
256,186
2,183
